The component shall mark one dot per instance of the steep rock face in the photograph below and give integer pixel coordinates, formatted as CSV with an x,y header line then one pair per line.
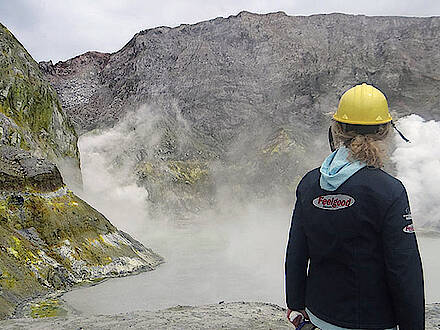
x,y
224,73
50,239
20,171
84,83
246,95
31,116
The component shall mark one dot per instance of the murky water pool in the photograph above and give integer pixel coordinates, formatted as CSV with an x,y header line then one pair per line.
x,y
239,259
234,256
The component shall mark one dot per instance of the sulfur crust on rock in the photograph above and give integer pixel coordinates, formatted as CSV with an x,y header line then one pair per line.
x,y
53,242
47,308
50,239
49,242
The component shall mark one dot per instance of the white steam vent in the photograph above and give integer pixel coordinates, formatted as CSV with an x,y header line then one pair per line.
x,y
418,167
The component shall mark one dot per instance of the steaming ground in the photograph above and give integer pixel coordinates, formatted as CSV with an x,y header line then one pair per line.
x,y
233,254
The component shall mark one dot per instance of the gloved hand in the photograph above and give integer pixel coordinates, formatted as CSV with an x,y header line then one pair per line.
x,y
296,317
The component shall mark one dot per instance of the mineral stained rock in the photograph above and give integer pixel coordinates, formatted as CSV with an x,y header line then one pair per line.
x,y
31,117
50,239
19,170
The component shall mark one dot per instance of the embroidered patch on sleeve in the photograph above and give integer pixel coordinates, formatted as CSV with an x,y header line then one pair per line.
x,y
407,216
409,229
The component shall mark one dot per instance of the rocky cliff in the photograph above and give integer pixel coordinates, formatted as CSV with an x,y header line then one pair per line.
x,y
223,74
241,99
31,116
49,238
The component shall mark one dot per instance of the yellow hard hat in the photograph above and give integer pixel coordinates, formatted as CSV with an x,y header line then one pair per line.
x,y
363,105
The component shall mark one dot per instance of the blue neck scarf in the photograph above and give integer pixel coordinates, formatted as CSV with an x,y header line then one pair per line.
x,y
336,169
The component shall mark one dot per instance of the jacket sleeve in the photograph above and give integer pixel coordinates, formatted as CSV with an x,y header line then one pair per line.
x,y
296,260
403,265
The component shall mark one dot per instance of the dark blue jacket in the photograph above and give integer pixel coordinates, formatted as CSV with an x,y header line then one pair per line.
x,y
352,256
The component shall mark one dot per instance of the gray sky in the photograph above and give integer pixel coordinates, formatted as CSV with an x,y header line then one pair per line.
x,y
61,29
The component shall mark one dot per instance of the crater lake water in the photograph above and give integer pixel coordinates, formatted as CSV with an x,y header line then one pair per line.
x,y
205,266
234,254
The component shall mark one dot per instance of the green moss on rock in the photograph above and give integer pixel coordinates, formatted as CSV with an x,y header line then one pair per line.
x,y
32,106
47,308
54,240
177,187
50,239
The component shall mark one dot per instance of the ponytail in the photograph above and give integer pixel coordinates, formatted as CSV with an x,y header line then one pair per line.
x,y
367,148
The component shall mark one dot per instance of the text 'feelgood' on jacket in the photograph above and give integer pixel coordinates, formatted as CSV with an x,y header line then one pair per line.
x,y
333,202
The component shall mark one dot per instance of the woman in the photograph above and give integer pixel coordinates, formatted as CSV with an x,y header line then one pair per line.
x,y
352,259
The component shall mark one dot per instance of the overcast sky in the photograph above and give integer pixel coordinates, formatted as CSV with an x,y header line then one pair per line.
x,y
61,29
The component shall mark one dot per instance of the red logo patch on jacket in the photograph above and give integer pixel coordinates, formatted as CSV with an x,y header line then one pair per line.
x,y
409,229
333,202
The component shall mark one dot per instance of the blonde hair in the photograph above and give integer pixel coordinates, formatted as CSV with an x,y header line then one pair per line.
x,y
367,148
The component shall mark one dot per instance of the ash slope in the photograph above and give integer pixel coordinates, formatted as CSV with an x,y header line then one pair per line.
x,y
240,315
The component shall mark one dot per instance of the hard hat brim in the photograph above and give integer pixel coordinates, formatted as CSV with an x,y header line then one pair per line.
x,y
354,122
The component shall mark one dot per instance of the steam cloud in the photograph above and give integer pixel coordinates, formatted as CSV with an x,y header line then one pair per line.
x,y
233,253
107,170
417,165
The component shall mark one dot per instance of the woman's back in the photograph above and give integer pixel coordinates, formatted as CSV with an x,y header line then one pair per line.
x,y
344,229
352,257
